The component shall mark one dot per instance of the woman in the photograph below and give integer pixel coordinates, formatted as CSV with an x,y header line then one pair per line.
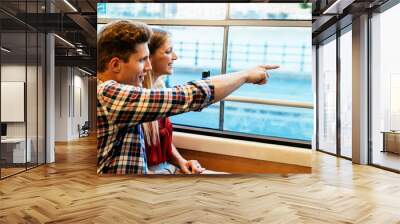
x,y
162,155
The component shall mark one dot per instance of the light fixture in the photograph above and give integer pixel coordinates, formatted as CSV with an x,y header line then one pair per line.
x,y
80,51
5,50
337,7
332,8
70,5
65,41
86,72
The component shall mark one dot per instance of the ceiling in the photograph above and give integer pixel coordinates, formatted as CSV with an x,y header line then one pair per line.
x,y
330,15
74,22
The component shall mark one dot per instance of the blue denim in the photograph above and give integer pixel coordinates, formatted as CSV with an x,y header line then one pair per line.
x,y
163,168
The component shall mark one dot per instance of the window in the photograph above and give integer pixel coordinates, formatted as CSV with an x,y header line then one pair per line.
x,y
346,94
291,49
276,121
200,47
288,47
271,11
385,85
22,64
327,96
161,11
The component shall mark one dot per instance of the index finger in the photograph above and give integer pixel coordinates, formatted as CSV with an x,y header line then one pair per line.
x,y
269,67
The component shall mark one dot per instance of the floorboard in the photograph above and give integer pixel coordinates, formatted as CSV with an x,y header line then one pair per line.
x,y
69,191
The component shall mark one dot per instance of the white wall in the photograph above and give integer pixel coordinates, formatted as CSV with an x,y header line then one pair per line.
x,y
71,102
61,103
80,101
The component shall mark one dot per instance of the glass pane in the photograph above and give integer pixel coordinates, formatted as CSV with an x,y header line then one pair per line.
x,y
41,99
291,49
196,53
346,94
31,101
270,11
386,89
13,85
161,11
327,97
288,47
22,62
275,121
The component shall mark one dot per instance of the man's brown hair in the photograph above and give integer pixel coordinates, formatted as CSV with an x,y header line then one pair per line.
x,y
119,39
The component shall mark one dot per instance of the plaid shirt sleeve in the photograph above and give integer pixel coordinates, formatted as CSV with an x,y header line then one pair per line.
x,y
128,105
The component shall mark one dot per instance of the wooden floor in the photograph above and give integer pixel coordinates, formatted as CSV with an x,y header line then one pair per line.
x,y
69,191
10,171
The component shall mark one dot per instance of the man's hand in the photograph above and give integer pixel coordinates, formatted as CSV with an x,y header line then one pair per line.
x,y
259,75
191,167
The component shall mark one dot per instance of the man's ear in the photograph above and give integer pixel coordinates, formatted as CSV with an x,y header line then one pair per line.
x,y
115,64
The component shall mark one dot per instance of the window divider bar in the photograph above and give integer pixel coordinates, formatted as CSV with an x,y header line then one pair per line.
x,y
228,11
369,87
26,92
223,71
338,94
317,87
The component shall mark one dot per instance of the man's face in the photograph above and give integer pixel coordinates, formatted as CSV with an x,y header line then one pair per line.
x,y
133,71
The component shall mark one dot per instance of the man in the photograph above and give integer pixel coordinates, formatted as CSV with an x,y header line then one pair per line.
x,y
123,60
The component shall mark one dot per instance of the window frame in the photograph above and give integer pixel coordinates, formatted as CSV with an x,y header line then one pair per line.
x,y
332,36
41,37
226,24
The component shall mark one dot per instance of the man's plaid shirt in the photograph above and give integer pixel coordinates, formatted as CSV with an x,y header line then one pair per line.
x,y
122,108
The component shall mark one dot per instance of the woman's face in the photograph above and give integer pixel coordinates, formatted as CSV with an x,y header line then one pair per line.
x,y
163,59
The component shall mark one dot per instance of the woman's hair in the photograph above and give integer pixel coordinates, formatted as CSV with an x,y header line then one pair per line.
x,y
151,129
